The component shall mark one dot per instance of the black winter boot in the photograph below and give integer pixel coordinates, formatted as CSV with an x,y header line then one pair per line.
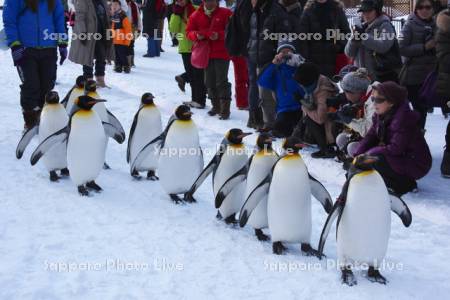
x,y
215,107
445,165
225,109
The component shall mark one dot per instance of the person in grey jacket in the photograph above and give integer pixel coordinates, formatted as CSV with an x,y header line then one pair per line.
x,y
417,47
374,44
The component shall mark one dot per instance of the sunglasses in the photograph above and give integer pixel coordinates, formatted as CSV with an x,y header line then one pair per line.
x,y
427,7
379,100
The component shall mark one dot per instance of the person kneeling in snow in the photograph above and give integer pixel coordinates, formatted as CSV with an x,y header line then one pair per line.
x,y
397,139
278,77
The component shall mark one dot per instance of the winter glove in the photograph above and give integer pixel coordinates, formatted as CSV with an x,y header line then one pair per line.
x,y
178,10
62,53
18,54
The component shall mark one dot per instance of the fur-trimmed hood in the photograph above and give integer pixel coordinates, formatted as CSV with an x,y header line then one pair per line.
x,y
310,4
443,21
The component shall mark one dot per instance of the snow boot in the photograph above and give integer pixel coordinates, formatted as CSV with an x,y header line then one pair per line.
x,y
127,69
445,165
215,107
225,109
100,81
31,118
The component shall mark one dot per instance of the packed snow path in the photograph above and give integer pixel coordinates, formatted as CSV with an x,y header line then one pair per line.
x,y
55,244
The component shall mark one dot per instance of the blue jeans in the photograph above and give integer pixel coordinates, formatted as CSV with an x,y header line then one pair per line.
x,y
153,47
253,93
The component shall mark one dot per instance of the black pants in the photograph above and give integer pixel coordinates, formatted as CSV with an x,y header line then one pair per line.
x,y
195,78
216,79
131,48
286,121
100,61
447,137
419,106
121,52
38,74
316,132
400,184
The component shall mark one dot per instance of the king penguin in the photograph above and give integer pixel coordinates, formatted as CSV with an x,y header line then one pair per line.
x,y
180,157
363,220
289,187
90,89
146,127
53,118
74,93
85,136
229,163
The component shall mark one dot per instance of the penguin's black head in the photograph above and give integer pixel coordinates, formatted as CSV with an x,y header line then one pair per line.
x,y
292,145
264,141
147,99
365,162
52,97
183,112
90,86
87,102
235,136
81,80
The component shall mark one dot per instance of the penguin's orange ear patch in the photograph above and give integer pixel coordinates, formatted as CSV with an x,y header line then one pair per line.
x,y
77,101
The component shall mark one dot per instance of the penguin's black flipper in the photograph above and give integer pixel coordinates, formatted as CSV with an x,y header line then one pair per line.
x,y
113,132
130,136
399,207
321,194
58,137
145,152
253,199
116,123
25,140
66,98
335,213
231,183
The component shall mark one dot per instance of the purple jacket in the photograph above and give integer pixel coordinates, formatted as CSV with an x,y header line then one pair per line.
x,y
405,148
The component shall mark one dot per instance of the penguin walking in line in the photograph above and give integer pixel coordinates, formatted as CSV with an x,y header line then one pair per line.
x,y
74,93
146,127
289,187
180,156
53,118
259,166
90,89
230,161
363,220
85,136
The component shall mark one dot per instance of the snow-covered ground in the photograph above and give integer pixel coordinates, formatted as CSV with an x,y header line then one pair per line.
x,y
132,242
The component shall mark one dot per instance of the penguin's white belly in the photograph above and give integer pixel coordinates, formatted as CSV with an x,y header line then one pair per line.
x,y
259,169
232,161
76,92
365,224
180,161
147,128
289,202
86,147
53,118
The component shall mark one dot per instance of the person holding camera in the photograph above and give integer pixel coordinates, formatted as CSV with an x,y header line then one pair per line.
x,y
418,49
278,77
315,125
357,114
396,139
374,44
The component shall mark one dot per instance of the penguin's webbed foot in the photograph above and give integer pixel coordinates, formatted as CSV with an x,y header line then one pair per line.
x,y
83,191
106,166
347,277
374,275
231,220
175,198
65,172
93,186
135,175
307,250
151,176
54,176
278,248
188,197
261,236
219,216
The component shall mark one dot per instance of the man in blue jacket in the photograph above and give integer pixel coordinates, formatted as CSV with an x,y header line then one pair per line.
x,y
278,77
34,29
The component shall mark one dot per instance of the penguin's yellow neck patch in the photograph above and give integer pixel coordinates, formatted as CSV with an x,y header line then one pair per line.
x,y
184,123
365,173
237,146
84,113
93,95
292,156
264,152
149,106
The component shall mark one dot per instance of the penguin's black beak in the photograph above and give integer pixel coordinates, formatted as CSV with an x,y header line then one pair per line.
x,y
269,140
244,134
369,160
299,146
93,102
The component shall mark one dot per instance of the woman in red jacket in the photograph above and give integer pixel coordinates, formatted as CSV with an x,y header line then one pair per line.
x,y
208,23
